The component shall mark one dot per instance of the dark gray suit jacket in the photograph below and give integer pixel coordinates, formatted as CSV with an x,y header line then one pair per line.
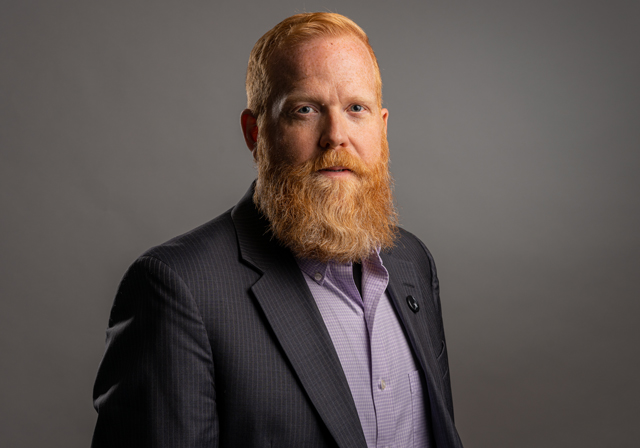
x,y
214,339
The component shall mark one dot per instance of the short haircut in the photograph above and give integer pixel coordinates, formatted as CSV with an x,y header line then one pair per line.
x,y
293,31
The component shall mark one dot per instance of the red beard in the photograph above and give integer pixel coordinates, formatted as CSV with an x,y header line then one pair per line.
x,y
325,219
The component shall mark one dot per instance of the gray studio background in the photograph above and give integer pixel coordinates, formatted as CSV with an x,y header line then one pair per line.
x,y
515,139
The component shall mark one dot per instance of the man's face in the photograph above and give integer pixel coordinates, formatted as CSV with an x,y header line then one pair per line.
x,y
323,178
327,99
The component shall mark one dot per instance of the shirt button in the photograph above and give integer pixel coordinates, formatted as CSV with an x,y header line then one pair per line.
x,y
383,385
317,276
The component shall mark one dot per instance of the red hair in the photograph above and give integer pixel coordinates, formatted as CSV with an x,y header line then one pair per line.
x,y
293,31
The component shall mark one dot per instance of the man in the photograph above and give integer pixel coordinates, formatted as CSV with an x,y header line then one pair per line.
x,y
302,317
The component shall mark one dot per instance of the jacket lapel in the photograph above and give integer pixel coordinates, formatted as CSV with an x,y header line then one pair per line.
x,y
292,313
421,328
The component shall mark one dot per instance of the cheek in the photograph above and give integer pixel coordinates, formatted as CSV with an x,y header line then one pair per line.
x,y
297,144
370,147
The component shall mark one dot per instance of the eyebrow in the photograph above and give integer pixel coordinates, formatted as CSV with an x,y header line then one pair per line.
x,y
295,97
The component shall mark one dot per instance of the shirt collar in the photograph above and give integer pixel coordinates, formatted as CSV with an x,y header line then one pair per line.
x,y
318,270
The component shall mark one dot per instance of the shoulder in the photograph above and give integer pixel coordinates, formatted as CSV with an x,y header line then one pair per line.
x,y
208,242
200,259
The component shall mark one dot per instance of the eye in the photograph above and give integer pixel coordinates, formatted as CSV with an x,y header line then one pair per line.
x,y
356,108
305,110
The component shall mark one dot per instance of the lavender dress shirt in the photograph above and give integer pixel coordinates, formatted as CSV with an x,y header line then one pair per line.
x,y
385,381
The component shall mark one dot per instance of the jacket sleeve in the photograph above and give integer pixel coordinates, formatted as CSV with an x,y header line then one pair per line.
x,y
155,384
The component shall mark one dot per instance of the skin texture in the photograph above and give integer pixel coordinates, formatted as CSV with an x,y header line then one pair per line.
x,y
326,100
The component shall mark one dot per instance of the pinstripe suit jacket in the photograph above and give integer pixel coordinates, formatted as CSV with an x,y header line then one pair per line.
x,y
214,339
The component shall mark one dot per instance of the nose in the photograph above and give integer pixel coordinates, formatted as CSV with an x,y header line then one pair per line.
x,y
334,133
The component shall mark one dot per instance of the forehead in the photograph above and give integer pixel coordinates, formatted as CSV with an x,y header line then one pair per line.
x,y
330,59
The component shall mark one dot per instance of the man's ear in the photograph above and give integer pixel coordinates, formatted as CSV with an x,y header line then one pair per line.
x,y
385,117
249,125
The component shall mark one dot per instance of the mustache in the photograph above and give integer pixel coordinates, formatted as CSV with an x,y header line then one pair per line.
x,y
333,158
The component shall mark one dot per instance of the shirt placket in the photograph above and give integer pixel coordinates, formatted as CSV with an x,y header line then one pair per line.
x,y
375,280
340,278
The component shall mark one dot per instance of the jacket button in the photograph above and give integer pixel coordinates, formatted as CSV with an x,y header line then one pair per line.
x,y
413,304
